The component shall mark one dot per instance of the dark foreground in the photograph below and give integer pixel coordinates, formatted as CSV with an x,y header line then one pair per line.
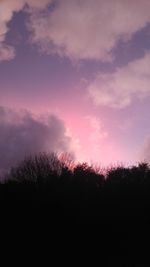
x,y
79,211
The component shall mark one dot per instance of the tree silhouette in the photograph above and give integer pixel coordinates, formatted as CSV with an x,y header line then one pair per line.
x,y
58,191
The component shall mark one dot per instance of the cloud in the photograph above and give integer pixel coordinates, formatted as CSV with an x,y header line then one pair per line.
x,y
97,132
6,52
120,88
76,29
88,29
38,3
7,10
21,134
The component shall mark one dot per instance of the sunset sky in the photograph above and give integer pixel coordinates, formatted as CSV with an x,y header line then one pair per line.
x,y
75,77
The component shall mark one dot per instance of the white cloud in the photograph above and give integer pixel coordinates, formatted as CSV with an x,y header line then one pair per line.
x,y
118,89
78,29
21,134
88,29
7,10
38,3
6,52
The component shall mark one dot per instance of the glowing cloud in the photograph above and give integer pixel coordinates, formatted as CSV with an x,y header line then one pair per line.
x,y
118,89
98,132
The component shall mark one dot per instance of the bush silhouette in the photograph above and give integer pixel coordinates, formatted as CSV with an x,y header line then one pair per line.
x,y
78,190
62,194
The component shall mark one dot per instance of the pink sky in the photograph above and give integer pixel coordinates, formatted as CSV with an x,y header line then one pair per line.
x,y
85,62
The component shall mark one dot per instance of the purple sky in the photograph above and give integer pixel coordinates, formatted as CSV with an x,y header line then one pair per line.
x,y
75,77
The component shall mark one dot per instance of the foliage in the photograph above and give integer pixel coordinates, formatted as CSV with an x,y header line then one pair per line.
x,y
78,190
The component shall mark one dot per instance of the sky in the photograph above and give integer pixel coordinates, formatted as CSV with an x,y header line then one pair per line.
x,y
75,78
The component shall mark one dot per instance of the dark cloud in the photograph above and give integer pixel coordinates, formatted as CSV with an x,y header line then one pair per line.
x,y
22,134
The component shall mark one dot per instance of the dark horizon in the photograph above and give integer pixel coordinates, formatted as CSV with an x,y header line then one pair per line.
x,y
70,203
